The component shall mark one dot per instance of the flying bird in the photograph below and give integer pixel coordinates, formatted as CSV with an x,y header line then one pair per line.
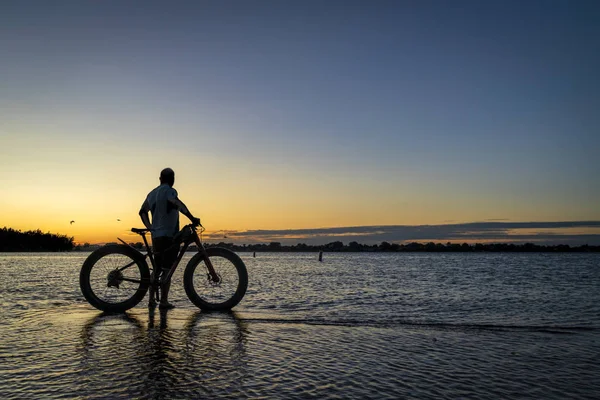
x,y
71,222
118,220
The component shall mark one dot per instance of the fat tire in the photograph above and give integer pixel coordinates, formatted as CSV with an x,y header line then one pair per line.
x,y
188,280
88,293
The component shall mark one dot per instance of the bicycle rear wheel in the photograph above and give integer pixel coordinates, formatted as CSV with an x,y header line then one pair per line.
x,y
114,278
216,296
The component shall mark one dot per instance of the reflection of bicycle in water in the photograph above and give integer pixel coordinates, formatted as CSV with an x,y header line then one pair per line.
x,y
179,354
116,277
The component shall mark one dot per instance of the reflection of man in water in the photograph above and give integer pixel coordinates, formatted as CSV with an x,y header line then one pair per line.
x,y
165,208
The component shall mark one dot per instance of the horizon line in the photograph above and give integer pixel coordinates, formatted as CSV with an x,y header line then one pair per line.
x,y
486,231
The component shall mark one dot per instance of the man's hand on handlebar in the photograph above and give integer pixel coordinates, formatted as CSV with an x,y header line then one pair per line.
x,y
195,221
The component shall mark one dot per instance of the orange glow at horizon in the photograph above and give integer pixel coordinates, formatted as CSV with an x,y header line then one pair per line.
x,y
46,193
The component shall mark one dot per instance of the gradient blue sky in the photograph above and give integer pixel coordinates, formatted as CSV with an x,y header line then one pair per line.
x,y
300,114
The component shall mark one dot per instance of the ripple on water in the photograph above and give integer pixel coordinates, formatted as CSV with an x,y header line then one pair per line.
x,y
413,327
186,353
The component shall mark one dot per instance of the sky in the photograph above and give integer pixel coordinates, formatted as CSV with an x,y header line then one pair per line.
x,y
304,121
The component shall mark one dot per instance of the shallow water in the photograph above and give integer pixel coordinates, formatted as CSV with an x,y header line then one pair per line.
x,y
354,326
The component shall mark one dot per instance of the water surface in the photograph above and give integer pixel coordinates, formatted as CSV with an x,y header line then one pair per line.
x,y
353,326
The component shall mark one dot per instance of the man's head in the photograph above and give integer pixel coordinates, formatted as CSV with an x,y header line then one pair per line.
x,y
167,176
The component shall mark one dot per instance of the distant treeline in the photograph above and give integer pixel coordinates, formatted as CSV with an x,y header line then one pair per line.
x,y
411,247
13,240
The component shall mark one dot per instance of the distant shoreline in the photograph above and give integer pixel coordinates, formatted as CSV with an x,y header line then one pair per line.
x,y
36,241
385,247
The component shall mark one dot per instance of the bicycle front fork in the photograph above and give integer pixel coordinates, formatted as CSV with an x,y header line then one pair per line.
x,y
211,269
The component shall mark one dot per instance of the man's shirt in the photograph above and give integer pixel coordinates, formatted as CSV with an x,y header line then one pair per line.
x,y
165,215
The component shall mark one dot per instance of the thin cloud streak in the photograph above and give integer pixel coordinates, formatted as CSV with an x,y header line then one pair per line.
x,y
538,232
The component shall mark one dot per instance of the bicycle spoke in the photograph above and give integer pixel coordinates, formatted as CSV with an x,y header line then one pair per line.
x,y
131,280
105,267
105,290
126,266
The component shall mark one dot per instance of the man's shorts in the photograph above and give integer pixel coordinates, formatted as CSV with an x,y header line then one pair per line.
x,y
165,253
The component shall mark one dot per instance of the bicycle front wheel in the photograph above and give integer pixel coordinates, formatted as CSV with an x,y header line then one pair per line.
x,y
114,278
209,295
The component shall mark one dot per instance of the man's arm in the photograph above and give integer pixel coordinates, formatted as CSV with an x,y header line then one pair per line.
x,y
184,210
144,214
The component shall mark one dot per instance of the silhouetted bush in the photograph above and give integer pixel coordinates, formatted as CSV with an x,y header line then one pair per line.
x,y
13,240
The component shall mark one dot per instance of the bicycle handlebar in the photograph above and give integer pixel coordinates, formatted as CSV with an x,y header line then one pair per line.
x,y
194,227
141,231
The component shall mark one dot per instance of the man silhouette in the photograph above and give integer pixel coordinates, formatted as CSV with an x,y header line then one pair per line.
x,y
165,207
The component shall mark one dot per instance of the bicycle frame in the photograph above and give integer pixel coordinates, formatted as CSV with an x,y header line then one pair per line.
x,y
186,243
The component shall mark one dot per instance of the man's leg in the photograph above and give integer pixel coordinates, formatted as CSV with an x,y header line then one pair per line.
x,y
164,300
159,247
170,255
155,276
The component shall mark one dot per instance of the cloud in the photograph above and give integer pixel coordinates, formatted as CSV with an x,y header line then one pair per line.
x,y
564,232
